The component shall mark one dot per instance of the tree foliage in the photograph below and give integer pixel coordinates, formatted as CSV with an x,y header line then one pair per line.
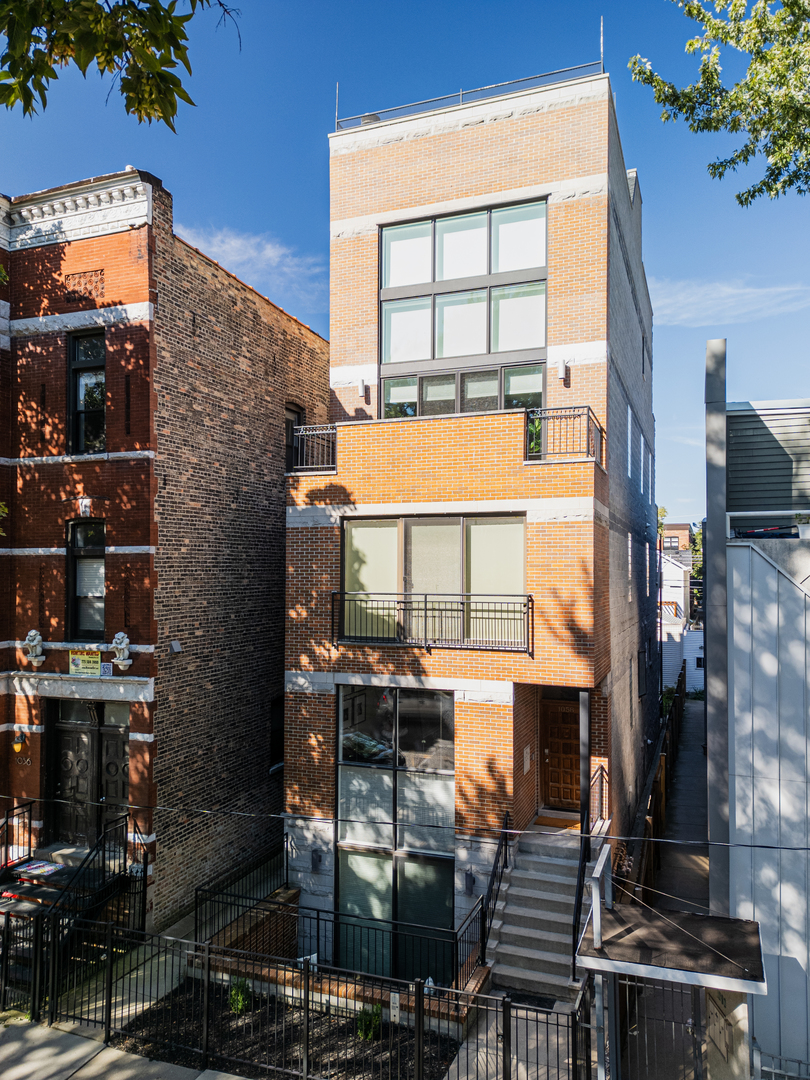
x,y
662,516
141,43
769,107
697,552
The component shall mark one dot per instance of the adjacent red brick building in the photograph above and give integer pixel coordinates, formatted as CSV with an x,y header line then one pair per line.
x,y
470,545
144,396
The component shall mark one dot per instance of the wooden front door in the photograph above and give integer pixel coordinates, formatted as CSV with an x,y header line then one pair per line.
x,y
114,773
559,745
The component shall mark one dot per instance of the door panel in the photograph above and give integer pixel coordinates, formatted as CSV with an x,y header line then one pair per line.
x,y
114,783
560,743
75,789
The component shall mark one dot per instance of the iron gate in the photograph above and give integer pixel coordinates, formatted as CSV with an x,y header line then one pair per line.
x,y
661,1029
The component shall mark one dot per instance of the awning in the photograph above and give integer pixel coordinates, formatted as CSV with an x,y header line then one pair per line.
x,y
677,946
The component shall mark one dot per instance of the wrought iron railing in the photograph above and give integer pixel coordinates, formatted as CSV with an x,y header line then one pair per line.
x,y
15,835
564,433
457,620
462,97
314,449
254,881
499,864
599,795
100,875
599,803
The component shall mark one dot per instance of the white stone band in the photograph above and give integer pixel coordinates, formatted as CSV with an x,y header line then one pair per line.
x,y
85,210
120,314
575,508
27,684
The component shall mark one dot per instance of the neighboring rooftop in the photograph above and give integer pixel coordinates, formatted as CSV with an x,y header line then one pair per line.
x,y
465,97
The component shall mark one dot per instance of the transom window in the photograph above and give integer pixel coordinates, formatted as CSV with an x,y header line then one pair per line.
x,y
464,286
476,390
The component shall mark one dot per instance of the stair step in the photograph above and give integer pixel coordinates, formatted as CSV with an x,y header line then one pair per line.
x,y
41,894
540,900
67,854
21,907
535,960
535,917
556,845
556,986
535,879
554,865
527,937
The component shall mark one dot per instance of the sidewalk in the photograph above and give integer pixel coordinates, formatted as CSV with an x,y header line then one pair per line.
x,y
35,1052
684,870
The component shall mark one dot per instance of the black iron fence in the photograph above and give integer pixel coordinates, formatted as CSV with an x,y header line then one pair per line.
x,y
499,864
100,877
15,835
244,1012
564,433
213,909
457,621
314,449
374,946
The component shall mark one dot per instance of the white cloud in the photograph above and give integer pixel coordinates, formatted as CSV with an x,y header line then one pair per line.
x,y
293,281
692,302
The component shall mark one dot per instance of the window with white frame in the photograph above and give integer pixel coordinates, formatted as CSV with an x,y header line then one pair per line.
x,y
629,441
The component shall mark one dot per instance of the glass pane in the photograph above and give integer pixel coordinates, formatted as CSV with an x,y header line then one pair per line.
x,y
90,390
366,797
406,330
518,237
367,725
426,729
433,555
461,246
91,615
426,812
425,891
461,324
366,881
406,255
371,556
90,348
116,713
90,534
519,317
89,577
91,434
438,394
523,387
74,712
495,556
399,396
479,391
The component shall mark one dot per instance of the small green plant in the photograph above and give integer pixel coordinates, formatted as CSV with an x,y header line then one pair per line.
x,y
369,1023
698,694
239,997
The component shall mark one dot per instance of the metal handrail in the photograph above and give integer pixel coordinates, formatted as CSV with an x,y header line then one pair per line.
x,y
564,433
446,100
99,847
314,448
500,863
445,620
599,775
23,810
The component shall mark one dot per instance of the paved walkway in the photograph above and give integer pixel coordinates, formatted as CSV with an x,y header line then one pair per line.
x,y
35,1052
684,872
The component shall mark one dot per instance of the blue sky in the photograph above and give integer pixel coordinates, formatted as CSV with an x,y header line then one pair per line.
x,y
248,170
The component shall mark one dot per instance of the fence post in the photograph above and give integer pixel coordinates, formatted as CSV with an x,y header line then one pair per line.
x,y
507,1038
143,894
574,1036
4,961
53,950
419,1030
206,995
286,860
756,1061
108,989
36,978
305,992
482,934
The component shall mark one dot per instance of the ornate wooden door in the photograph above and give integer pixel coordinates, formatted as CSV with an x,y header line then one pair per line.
x,y
76,785
560,754
114,783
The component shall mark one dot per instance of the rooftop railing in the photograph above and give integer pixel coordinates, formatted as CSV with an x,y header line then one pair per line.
x,y
564,433
464,97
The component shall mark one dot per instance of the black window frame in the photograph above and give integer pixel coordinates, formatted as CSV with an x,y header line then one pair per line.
x,y
482,282
74,554
500,368
76,367
290,424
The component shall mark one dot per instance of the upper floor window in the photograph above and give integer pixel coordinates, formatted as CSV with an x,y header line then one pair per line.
x,y
293,418
467,285
670,543
476,390
88,394
87,580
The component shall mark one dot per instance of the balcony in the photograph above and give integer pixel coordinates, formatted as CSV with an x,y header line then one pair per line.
x,y
572,434
556,434
458,621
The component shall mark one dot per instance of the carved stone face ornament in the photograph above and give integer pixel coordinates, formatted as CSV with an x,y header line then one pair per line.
x,y
120,646
33,643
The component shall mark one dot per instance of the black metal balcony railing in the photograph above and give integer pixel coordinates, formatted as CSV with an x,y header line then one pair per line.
x,y
457,621
564,433
314,449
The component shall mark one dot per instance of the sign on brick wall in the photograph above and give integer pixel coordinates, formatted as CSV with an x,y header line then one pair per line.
x,y
85,662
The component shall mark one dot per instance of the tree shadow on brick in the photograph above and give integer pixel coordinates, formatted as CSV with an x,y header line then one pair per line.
x,y
566,628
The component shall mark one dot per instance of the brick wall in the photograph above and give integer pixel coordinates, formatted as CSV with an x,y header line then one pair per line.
x,y
227,362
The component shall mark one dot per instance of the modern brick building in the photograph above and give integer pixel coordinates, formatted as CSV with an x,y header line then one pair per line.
x,y
144,396
471,592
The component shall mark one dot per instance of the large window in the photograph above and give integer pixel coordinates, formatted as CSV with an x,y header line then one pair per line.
x,y
476,390
458,289
87,581
396,823
88,395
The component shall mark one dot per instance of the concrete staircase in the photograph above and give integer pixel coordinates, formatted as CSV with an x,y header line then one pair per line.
x,y
530,942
